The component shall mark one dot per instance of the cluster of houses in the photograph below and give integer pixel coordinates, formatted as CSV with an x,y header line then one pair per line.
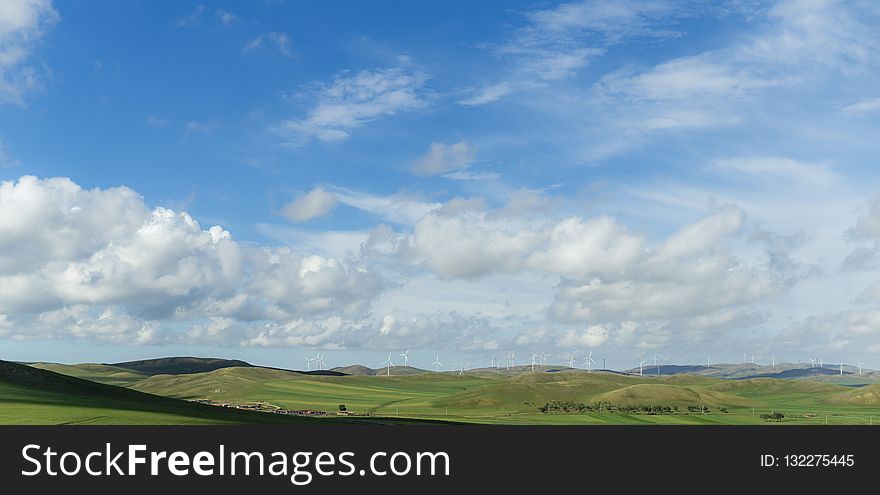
x,y
261,407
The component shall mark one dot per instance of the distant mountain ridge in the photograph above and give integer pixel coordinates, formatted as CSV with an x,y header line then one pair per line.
x,y
180,365
361,370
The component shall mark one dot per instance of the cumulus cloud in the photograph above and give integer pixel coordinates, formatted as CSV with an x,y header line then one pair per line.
x,y
353,100
83,259
606,274
868,225
100,264
22,23
314,204
592,336
442,157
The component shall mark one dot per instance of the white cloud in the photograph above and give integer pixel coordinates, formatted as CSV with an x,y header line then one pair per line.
x,y
687,78
868,225
470,175
314,204
5,159
481,96
252,44
22,23
194,126
400,208
863,107
192,19
559,41
593,336
73,261
442,157
101,265
282,42
606,274
780,169
153,121
225,18
353,100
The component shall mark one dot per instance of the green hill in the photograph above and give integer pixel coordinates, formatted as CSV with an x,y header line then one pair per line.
x,y
37,395
662,394
862,396
179,365
224,383
101,373
30,395
360,370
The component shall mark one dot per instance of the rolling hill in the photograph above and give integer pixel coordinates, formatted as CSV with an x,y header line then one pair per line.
x,y
360,370
862,396
179,365
30,395
487,395
101,373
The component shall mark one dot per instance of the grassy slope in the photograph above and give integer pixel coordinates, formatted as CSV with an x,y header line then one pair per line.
x,y
489,396
34,396
101,373
179,365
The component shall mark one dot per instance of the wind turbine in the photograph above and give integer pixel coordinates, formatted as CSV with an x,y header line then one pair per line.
x,y
388,364
309,363
860,366
571,360
588,361
708,361
534,357
492,361
641,365
513,359
841,367
437,364
320,359
821,364
544,357
812,362
657,364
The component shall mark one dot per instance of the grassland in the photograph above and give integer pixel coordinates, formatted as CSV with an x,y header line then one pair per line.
x,y
498,398
37,396
486,397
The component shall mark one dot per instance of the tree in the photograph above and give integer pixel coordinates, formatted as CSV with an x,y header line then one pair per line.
x,y
342,408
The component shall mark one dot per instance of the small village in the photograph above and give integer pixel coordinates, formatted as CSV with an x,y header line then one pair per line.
x,y
267,407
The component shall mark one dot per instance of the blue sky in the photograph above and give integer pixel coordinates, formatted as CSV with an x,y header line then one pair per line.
x,y
664,178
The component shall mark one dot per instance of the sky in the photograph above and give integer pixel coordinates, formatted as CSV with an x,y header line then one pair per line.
x,y
273,179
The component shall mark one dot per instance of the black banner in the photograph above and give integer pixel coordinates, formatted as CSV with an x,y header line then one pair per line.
x,y
502,458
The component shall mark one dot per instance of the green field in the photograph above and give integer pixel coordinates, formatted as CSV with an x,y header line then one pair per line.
x,y
485,396
35,396
490,397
